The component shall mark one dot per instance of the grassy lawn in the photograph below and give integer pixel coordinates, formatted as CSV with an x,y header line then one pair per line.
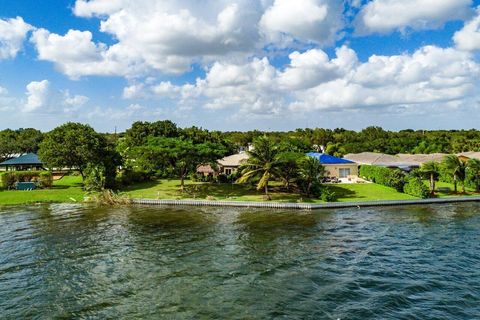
x,y
445,193
170,189
68,189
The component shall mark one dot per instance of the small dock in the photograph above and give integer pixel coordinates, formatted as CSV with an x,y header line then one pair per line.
x,y
302,206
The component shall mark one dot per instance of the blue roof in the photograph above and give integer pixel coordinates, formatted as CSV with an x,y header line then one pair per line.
x,y
328,159
26,159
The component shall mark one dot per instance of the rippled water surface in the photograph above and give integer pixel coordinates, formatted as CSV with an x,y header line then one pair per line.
x,y
70,261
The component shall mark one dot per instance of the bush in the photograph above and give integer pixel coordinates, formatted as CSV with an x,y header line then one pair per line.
x,y
415,187
128,177
94,178
43,179
393,178
328,195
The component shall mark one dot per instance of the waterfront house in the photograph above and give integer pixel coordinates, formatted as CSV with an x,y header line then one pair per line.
x,y
26,162
229,165
337,167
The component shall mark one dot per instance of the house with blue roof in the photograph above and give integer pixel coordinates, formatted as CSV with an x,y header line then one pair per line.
x,y
336,167
26,162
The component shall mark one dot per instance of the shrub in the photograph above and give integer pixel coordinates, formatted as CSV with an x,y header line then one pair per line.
x,y
415,187
129,177
44,179
328,195
94,178
393,178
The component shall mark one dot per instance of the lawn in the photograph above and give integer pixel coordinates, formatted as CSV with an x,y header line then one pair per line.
x,y
170,189
68,189
449,193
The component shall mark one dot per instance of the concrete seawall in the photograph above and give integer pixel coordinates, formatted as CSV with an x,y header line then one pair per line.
x,y
301,206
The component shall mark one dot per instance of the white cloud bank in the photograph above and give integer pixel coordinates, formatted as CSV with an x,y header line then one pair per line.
x,y
383,16
312,81
12,35
37,95
468,38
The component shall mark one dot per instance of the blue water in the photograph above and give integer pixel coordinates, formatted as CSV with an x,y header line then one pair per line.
x,y
72,261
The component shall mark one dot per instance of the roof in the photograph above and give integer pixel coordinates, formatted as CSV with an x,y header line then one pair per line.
x,y
205,169
26,159
328,159
399,160
234,160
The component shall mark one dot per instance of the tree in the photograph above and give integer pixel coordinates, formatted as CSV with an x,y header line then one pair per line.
x,y
311,172
28,140
457,168
431,170
8,144
262,165
288,167
473,167
181,157
73,145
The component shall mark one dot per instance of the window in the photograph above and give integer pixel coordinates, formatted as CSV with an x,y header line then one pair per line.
x,y
228,171
344,172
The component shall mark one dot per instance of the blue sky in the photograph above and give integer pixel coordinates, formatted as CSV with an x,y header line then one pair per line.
x,y
240,65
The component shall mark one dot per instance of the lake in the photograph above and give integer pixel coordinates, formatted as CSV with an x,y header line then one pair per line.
x,y
75,261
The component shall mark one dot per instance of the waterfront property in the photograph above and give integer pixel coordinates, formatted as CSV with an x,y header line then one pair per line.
x,y
229,165
335,167
26,162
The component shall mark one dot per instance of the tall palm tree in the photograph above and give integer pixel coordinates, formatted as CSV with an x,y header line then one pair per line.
x,y
473,165
457,169
431,170
311,171
262,164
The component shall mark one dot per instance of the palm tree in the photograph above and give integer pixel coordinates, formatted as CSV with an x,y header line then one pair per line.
x,y
311,171
473,165
262,164
457,169
431,170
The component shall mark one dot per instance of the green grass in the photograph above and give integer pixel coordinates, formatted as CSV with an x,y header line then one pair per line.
x,y
170,189
450,193
68,189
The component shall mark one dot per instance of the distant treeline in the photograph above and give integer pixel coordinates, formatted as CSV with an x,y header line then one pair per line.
x,y
336,142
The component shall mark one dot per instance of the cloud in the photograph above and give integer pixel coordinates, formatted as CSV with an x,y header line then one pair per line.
x,y
384,16
37,95
312,81
468,38
316,21
12,35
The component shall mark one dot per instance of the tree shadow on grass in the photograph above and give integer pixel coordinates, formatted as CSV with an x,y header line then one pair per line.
x,y
343,193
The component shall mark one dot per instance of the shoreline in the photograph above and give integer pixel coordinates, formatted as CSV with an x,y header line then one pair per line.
x,y
302,206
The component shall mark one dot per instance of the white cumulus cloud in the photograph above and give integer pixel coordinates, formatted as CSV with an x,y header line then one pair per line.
x,y
12,35
383,16
309,20
37,95
468,38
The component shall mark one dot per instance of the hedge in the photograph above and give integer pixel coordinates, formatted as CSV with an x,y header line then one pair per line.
x,y
44,179
415,187
393,178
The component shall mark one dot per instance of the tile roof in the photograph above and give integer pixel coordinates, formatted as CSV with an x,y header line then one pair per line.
x,y
234,160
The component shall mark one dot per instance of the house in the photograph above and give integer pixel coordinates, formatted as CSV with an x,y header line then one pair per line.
x,y
404,162
26,162
336,167
230,164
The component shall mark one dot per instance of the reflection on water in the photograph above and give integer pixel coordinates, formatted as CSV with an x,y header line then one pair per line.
x,y
73,261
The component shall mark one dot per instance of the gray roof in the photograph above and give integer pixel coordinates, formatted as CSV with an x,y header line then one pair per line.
x,y
26,159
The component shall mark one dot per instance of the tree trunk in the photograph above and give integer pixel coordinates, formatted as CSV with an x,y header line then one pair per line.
x,y
455,183
463,186
266,191
432,185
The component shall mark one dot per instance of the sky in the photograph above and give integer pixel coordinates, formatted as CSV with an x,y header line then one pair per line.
x,y
241,64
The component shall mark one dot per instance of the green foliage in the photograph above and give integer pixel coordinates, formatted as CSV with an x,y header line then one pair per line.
x,y
393,178
454,166
78,146
94,178
414,186
311,173
263,163
44,179
328,195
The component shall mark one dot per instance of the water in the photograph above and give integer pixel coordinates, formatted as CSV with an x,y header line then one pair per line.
x,y
72,261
